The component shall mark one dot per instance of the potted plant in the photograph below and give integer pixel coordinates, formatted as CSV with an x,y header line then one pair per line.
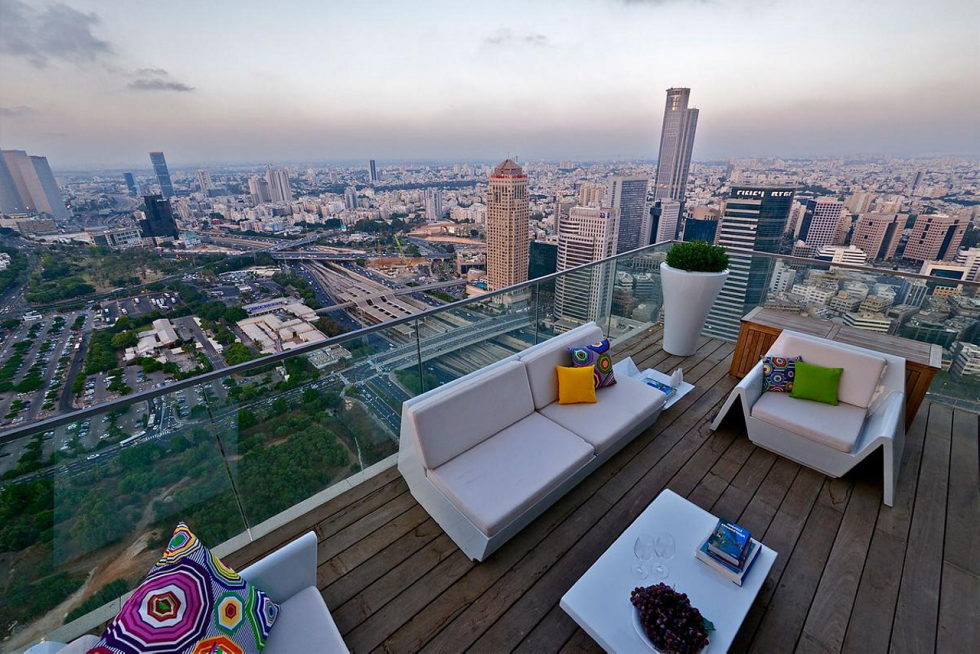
x,y
692,277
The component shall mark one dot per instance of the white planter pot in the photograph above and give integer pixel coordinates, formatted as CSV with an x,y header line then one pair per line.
x,y
688,297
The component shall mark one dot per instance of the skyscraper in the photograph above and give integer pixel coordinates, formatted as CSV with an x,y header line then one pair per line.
x,y
628,195
372,171
159,220
278,181
936,236
587,234
433,204
877,234
676,145
259,189
131,184
350,198
819,225
700,230
204,181
163,174
508,213
28,185
754,219
667,215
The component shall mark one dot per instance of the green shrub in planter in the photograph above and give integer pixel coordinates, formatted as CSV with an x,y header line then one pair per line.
x,y
697,256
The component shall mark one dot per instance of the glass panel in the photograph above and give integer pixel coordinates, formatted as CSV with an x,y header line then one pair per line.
x,y
637,295
459,340
295,428
90,505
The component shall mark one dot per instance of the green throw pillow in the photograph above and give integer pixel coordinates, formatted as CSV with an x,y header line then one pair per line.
x,y
816,383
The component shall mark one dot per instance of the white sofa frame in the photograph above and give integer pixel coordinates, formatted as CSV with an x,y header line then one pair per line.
x,y
884,426
470,538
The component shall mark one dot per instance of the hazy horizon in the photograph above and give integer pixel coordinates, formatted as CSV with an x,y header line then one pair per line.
x,y
246,82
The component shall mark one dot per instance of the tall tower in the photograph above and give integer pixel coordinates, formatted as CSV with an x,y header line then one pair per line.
x,y
278,181
508,213
676,144
433,204
131,184
818,226
628,195
587,234
27,185
163,174
259,189
204,181
14,160
372,171
44,188
159,220
877,234
754,219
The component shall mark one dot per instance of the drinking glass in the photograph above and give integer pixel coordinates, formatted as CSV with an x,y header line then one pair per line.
x,y
664,547
643,549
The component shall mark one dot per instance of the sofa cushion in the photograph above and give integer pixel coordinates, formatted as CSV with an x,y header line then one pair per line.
x,y
449,423
618,410
497,480
191,602
778,374
575,385
838,427
816,383
542,360
861,370
595,355
305,625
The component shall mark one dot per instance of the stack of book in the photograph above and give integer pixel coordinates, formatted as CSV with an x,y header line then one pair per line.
x,y
729,550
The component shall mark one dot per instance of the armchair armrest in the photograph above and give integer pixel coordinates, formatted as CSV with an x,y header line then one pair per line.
x,y
751,387
884,417
286,571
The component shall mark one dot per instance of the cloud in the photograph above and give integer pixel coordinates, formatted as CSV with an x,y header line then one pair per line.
x,y
19,110
151,71
55,31
658,3
505,36
156,84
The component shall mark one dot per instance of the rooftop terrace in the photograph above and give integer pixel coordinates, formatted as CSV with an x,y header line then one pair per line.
x,y
852,575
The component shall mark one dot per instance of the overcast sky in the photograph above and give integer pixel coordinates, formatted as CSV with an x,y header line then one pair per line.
x,y
91,82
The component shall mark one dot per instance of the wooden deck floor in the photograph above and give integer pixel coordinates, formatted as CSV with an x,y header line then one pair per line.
x,y
852,575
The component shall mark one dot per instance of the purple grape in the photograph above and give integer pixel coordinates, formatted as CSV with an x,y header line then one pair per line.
x,y
669,620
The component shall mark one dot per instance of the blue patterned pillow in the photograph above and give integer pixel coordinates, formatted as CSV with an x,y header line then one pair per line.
x,y
190,603
596,355
778,373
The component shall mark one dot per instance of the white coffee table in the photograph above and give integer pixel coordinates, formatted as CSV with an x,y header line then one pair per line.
x,y
600,600
627,368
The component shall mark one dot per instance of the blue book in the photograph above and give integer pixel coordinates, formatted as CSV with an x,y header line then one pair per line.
x,y
663,388
729,542
733,573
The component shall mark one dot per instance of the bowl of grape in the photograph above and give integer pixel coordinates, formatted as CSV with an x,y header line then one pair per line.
x,y
667,622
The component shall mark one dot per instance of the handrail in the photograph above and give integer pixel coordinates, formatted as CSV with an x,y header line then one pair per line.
x,y
261,362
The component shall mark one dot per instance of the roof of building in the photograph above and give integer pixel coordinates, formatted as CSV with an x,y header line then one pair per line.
x,y
509,168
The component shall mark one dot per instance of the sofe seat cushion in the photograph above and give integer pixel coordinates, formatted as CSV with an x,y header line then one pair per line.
x,y
451,422
837,426
305,625
618,410
497,480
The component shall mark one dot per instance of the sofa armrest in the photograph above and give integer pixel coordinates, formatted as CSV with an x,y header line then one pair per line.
x,y
286,571
884,417
751,387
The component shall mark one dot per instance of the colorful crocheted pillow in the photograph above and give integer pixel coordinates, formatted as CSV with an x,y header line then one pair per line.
x,y
778,373
190,603
596,355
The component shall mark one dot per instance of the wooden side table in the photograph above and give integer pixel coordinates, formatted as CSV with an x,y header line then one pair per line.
x,y
760,327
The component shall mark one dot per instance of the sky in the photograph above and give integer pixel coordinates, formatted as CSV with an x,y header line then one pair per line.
x,y
101,82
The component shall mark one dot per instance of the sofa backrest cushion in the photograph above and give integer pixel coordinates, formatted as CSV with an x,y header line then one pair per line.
x,y
542,360
450,423
862,369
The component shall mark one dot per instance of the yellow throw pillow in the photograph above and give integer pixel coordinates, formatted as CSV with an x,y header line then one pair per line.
x,y
576,385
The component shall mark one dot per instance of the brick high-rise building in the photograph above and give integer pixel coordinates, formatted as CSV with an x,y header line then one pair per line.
x,y
877,234
935,237
508,213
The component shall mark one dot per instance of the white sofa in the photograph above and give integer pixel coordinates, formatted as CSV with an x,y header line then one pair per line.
x,y
489,452
827,438
288,576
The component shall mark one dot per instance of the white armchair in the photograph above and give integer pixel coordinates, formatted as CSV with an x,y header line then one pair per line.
x,y
829,439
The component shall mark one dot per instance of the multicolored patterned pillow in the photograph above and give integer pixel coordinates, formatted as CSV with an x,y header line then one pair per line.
x,y
190,603
778,373
596,355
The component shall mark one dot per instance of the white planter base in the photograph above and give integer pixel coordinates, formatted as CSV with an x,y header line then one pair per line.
x,y
688,297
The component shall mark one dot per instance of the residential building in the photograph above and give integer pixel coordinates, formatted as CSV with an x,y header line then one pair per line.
x,y
818,226
754,218
813,294
204,182
842,254
591,194
843,302
872,322
783,278
433,204
508,214
163,174
935,237
588,234
278,181
676,145
628,195
859,202
350,198
877,234
159,221
701,230
970,258
259,190
966,359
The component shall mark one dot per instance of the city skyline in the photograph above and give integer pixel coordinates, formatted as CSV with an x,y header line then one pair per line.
x,y
336,99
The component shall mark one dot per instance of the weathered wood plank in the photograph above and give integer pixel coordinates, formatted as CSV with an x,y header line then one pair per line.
x,y
959,628
962,542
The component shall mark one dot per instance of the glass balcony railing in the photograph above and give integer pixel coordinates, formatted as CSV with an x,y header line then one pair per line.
x,y
239,452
